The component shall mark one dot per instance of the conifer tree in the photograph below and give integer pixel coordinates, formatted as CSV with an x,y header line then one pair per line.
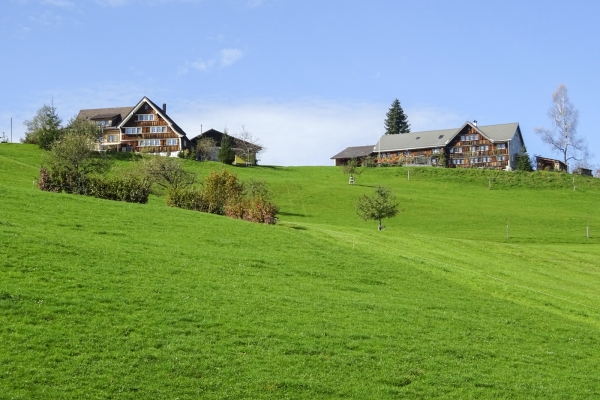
x,y
226,154
396,121
524,161
44,128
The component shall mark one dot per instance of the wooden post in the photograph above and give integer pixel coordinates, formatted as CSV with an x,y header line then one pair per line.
x,y
587,231
409,174
507,228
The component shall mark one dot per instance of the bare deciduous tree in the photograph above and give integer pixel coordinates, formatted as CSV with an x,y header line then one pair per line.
x,y
563,136
248,145
206,149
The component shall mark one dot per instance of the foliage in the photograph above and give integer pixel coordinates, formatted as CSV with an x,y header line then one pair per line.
x,y
205,149
84,127
71,160
352,167
382,205
44,128
226,153
563,137
220,188
396,121
524,161
167,172
184,154
128,188
255,205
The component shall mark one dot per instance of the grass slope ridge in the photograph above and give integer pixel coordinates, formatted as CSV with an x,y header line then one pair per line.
x,y
106,299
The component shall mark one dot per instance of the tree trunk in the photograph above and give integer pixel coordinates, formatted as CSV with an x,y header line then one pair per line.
x,y
380,227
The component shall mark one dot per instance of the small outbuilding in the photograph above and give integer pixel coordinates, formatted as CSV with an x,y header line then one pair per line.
x,y
358,152
550,164
583,171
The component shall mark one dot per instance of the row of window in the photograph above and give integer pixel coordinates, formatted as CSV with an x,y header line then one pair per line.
x,y
153,129
156,142
112,138
466,138
476,160
145,117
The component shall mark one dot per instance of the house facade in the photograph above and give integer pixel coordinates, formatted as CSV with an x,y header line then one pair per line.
x,y
469,146
143,127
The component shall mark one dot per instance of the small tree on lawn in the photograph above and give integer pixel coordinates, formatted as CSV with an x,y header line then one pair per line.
x,y
167,172
351,168
382,205
226,154
524,161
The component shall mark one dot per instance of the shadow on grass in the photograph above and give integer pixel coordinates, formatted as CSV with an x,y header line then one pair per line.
x,y
287,214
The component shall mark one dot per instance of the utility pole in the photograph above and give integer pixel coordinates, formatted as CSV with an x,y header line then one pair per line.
x,y
11,129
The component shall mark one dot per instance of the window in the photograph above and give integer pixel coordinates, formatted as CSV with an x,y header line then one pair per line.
x,y
436,151
158,129
112,138
133,131
441,136
145,117
150,142
486,159
501,146
452,150
458,161
501,158
459,149
418,137
474,160
171,142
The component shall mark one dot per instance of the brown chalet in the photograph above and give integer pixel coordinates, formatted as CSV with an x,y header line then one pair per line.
x,y
469,146
144,126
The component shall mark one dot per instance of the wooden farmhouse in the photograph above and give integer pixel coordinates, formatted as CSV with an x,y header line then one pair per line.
x,y
358,152
144,126
470,146
245,153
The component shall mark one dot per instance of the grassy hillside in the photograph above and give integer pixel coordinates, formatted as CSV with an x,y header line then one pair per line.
x,y
103,299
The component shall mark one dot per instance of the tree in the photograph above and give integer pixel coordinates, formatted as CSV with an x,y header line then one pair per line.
x,y
563,137
396,121
205,149
226,154
351,168
382,205
71,159
248,145
84,127
44,128
524,161
167,172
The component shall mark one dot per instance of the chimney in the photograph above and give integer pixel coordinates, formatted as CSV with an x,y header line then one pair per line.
x,y
165,108
474,122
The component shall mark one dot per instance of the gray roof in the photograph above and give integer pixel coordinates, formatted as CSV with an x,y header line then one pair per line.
x,y
354,152
440,138
100,113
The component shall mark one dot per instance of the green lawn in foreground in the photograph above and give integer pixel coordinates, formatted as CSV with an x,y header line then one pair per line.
x,y
103,299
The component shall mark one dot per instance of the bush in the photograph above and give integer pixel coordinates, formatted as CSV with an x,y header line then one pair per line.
x,y
224,194
123,188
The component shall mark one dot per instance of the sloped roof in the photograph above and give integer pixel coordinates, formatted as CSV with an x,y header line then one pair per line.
x,y
354,152
440,138
218,136
158,110
105,113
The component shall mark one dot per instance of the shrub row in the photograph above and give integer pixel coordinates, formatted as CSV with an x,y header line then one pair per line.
x,y
124,188
224,194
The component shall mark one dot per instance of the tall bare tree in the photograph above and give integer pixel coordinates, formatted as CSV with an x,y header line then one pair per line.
x,y
248,145
563,137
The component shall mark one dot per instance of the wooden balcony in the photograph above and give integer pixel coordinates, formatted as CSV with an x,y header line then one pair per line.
x,y
156,149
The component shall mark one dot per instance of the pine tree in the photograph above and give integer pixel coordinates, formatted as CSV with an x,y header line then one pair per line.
x,y
524,161
226,154
396,121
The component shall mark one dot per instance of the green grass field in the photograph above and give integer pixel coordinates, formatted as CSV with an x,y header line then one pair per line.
x,y
102,299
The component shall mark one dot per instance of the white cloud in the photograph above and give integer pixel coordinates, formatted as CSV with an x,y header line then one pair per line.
x,y
226,57
230,56
304,132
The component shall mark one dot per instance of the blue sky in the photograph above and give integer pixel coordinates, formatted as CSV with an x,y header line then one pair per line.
x,y
306,77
